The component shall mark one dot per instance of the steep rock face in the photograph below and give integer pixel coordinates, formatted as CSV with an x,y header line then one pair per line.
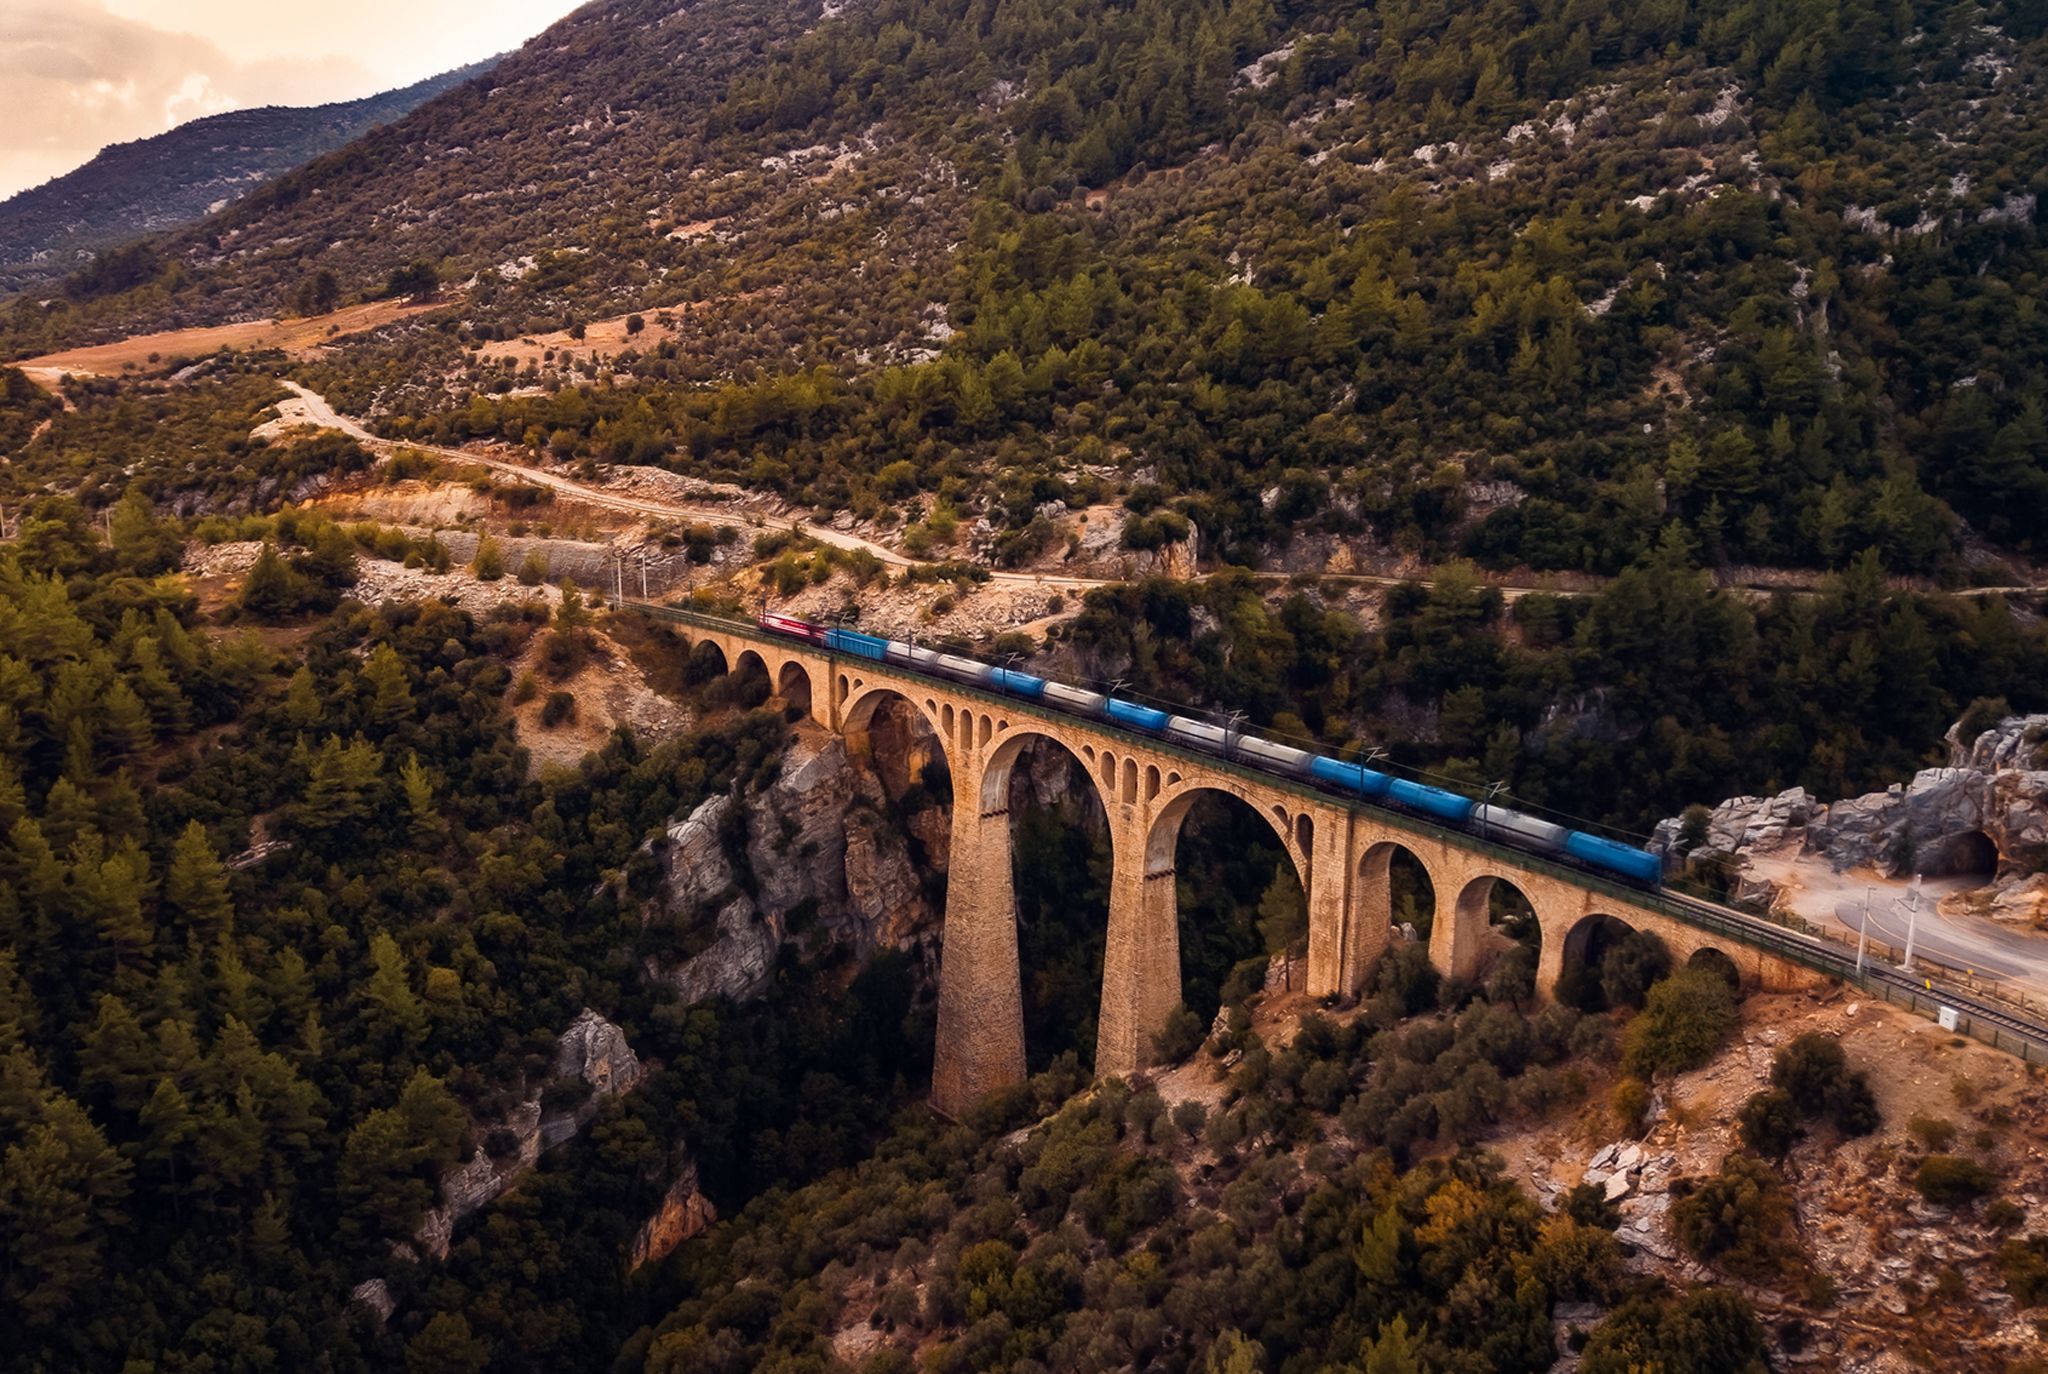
x,y
1987,808
593,1052
684,1212
820,852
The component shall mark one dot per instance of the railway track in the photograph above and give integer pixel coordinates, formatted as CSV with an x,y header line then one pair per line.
x,y
2004,1026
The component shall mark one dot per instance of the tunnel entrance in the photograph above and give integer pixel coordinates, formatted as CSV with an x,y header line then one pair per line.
x,y
1972,854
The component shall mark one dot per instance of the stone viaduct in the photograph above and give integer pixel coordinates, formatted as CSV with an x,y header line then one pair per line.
x,y
1341,852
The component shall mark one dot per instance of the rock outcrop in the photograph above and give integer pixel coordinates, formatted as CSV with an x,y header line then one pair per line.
x,y
592,1053
684,1212
1986,811
820,854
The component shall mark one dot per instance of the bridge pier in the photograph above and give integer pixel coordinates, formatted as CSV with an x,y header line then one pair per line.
x,y
981,993
1340,853
1141,962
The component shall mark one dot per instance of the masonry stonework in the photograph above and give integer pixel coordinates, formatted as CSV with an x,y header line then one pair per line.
x,y
1341,855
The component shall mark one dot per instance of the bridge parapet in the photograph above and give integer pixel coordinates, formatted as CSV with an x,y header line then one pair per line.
x,y
1341,851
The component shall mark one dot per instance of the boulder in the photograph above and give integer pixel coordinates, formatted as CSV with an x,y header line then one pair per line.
x,y
819,847
374,1297
1987,806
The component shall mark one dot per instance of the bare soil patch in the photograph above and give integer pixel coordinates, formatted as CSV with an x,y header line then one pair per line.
x,y
160,352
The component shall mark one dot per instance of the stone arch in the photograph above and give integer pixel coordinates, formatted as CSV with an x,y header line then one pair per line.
x,y
1491,918
857,726
995,774
1708,956
793,684
1163,834
709,659
1387,870
1142,973
1052,894
1584,951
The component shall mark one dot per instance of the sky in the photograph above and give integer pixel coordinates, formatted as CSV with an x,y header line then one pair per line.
x,y
80,74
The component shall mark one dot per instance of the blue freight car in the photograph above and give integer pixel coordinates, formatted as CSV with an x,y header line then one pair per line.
x,y
1351,777
1016,683
1135,717
858,644
1431,801
1638,864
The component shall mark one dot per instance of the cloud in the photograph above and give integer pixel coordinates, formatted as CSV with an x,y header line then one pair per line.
x,y
78,78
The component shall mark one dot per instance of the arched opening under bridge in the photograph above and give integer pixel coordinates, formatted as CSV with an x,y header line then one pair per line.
x,y
1497,939
1608,963
1233,873
1043,806
793,686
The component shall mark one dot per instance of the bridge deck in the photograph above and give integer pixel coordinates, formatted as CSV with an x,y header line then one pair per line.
x,y
2003,1025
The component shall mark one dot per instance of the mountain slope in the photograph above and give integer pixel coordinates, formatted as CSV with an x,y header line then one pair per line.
x,y
166,182
1533,283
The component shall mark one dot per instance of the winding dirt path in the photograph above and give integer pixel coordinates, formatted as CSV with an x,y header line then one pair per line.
x,y
311,408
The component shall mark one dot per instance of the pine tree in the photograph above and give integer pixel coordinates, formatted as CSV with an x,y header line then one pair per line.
x,y
427,825
392,1006
391,693
167,1125
125,724
195,887
302,699
119,1063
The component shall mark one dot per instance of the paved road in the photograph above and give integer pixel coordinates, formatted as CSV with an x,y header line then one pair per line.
x,y
1989,951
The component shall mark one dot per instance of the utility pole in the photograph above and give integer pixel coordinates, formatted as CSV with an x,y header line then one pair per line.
x,y
1912,921
619,568
1863,940
643,575
1487,818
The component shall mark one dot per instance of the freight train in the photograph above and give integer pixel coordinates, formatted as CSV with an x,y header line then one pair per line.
x,y
1351,780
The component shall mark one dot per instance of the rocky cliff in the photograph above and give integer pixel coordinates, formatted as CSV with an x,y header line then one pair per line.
x,y
593,1062
1985,811
830,854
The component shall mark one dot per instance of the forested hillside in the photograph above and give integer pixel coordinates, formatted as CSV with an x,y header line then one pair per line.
x,y
169,181
1522,281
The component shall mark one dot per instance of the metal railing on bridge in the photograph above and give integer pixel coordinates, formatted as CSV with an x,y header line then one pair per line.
x,y
1940,994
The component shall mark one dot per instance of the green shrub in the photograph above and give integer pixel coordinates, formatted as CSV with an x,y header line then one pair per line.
x,y
2023,1264
489,563
1770,1123
1951,1180
1637,962
1708,1331
1935,1133
1740,1220
1808,1069
1180,1037
559,706
1631,1104
1588,1204
1815,1072
1684,1020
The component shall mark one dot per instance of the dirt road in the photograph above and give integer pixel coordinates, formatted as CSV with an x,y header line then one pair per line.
x,y
311,408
